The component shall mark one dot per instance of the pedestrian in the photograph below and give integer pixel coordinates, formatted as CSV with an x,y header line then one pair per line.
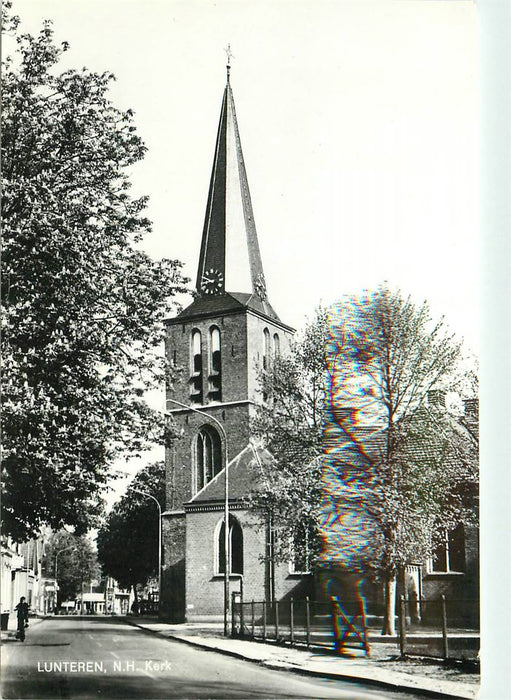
x,y
22,610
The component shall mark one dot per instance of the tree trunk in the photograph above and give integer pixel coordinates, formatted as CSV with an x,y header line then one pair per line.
x,y
389,593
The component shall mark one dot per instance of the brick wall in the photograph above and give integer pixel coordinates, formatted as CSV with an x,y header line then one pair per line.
x,y
240,371
242,344
242,354
180,479
255,339
205,588
461,589
233,334
173,578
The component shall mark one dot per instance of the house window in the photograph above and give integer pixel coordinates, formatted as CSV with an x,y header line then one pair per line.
x,y
215,365
196,368
266,348
208,456
235,547
276,345
300,549
449,555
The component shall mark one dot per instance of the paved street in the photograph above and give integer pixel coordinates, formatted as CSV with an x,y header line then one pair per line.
x,y
103,657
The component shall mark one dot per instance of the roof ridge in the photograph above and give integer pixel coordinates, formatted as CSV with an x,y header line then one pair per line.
x,y
222,471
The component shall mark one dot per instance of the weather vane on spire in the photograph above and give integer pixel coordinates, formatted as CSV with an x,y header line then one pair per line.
x,y
229,56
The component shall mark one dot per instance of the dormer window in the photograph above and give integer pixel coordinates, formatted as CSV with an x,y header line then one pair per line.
x,y
215,365
196,368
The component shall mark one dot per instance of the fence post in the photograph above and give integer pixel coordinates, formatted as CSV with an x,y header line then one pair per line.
x,y
402,626
363,615
307,622
335,622
276,620
264,620
253,619
291,621
242,618
444,628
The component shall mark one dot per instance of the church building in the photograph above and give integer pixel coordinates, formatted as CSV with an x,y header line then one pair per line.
x,y
218,346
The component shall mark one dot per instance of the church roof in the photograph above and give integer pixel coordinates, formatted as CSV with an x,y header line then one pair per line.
x,y
359,446
244,471
230,302
230,259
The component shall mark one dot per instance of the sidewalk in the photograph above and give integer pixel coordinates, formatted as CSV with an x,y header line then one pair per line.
x,y
12,625
382,669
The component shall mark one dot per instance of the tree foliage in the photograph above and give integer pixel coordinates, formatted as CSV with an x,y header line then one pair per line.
x,y
290,423
74,562
365,451
83,305
398,461
128,540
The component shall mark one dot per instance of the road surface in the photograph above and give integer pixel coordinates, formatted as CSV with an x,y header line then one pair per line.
x,y
107,658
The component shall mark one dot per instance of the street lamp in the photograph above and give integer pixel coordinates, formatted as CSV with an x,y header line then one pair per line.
x,y
66,549
227,557
148,495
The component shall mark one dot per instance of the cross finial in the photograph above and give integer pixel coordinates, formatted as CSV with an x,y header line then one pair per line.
x,y
229,56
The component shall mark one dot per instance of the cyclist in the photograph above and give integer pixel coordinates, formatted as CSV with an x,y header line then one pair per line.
x,y
22,610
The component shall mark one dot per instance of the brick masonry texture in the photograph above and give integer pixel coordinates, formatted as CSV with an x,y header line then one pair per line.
x,y
240,383
461,590
173,579
205,589
189,544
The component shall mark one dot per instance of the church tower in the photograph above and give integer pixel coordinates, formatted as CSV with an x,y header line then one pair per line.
x,y
218,346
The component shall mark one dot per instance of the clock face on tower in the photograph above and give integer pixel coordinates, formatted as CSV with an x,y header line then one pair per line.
x,y
212,281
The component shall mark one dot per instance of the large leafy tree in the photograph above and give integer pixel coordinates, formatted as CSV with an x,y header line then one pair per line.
x,y
366,456
83,305
128,540
399,467
73,561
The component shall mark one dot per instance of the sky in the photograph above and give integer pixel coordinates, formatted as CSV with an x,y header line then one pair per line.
x,y
359,123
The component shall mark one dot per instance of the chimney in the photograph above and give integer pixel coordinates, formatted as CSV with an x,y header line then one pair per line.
x,y
471,408
436,397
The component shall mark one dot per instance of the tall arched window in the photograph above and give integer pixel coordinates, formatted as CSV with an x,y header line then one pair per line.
x,y
266,348
208,456
196,368
215,365
276,345
235,547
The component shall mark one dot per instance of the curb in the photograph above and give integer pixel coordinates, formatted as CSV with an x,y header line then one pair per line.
x,y
9,633
280,666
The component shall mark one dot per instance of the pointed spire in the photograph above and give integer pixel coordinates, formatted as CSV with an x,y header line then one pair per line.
x,y
230,259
